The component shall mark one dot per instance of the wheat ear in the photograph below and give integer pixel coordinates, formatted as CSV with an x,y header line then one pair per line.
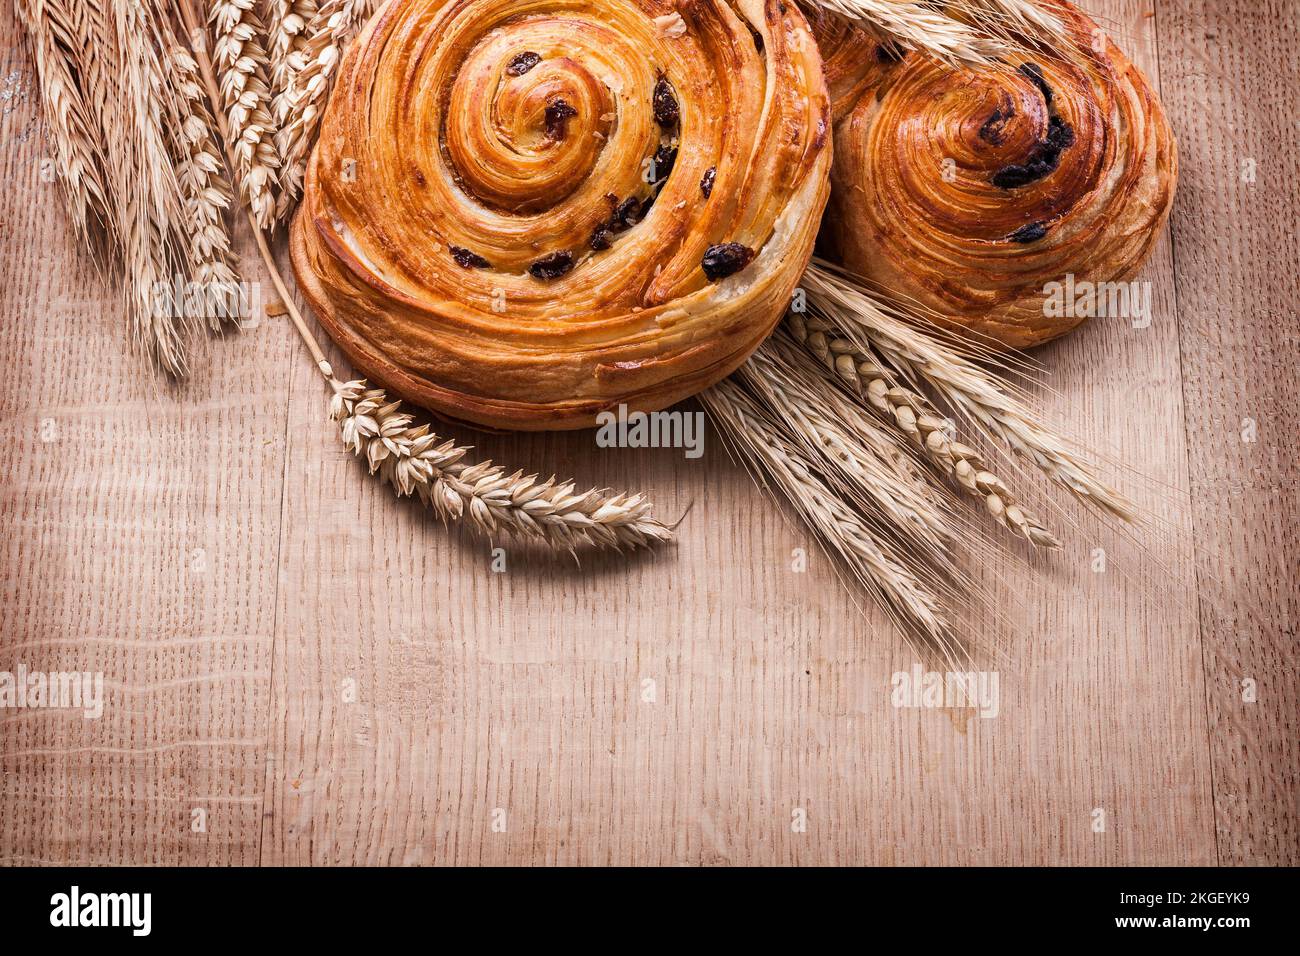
x,y
918,26
875,326
286,30
57,31
310,74
866,463
241,66
916,418
1012,21
769,451
106,90
970,34
151,209
416,461
203,189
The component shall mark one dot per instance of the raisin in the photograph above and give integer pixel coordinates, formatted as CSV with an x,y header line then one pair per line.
x,y
1034,73
557,116
626,215
522,63
468,260
706,184
664,159
993,131
552,266
665,104
1030,233
1016,175
1059,134
725,259
1042,159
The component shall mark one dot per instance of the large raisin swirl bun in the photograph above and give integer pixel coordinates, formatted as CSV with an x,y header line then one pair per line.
x,y
969,194
523,212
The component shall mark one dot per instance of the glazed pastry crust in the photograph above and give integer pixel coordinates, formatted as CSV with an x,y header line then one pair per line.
x,y
968,195
453,175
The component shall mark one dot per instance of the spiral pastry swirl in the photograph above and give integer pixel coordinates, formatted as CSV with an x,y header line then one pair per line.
x,y
970,194
523,212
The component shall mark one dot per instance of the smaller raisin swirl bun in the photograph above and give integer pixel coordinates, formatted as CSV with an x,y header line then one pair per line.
x,y
970,194
521,213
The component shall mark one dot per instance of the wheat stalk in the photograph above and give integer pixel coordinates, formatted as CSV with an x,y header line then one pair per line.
x,y
416,461
864,462
122,135
873,326
309,74
286,31
148,204
915,417
56,32
204,190
764,445
242,67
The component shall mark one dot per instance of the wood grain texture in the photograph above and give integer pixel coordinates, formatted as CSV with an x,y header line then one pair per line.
x,y
1234,233
337,679
141,522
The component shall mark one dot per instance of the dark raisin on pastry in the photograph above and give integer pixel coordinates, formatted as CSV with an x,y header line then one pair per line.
x,y
557,117
552,266
706,183
1030,233
625,215
1045,156
725,259
664,159
994,129
521,63
468,260
1034,73
1043,159
600,238
665,104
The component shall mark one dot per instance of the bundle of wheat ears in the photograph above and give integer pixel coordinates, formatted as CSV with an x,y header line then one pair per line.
x,y
167,116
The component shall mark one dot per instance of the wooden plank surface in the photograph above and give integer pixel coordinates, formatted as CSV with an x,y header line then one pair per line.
x,y
332,677
1234,232
141,526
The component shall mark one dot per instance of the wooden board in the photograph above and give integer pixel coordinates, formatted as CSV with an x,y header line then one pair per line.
x,y
319,674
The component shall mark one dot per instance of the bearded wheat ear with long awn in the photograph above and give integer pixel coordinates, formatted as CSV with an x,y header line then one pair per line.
x,y
105,88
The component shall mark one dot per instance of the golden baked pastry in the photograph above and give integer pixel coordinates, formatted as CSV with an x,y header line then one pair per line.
x,y
969,195
520,214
